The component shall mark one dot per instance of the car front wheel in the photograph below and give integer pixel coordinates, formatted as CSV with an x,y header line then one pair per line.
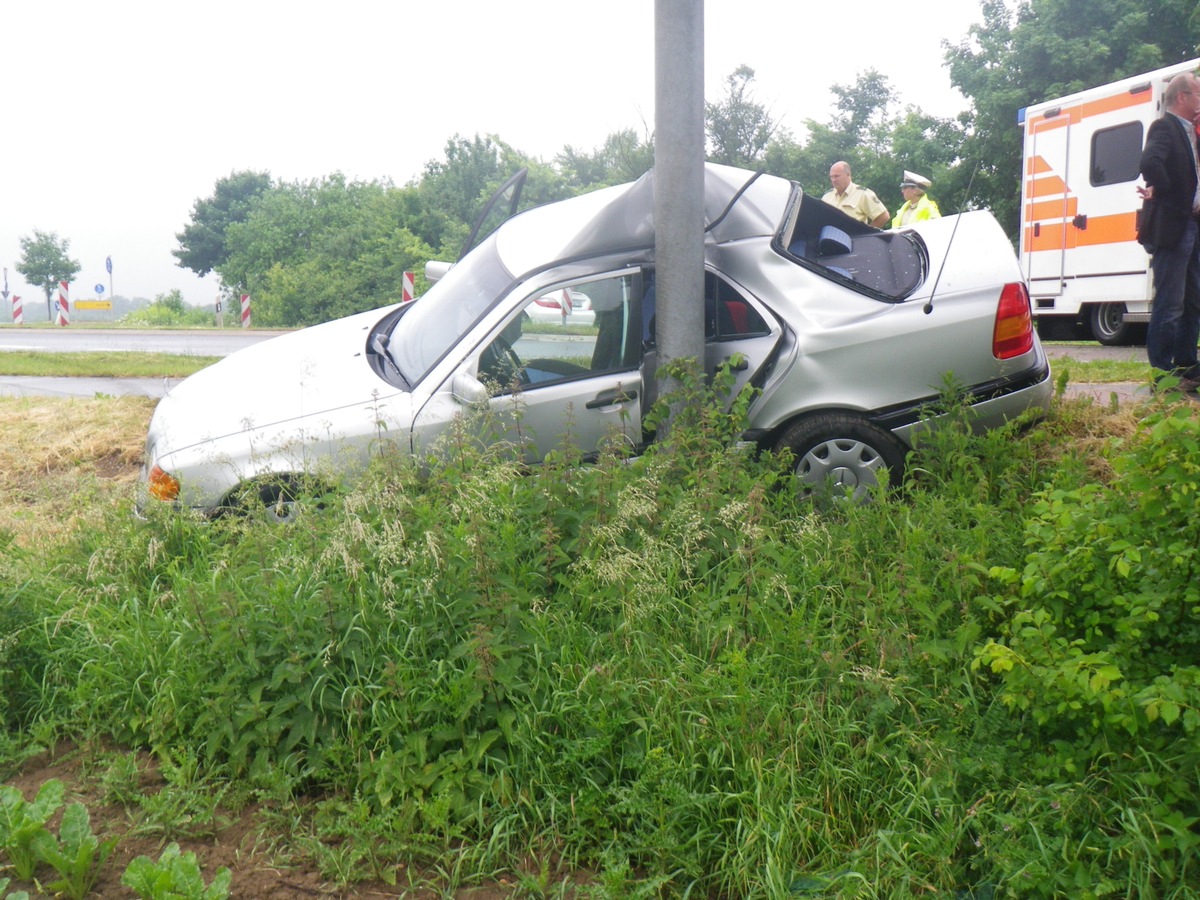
x,y
278,499
843,455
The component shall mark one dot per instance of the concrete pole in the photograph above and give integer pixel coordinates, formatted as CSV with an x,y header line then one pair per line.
x,y
679,181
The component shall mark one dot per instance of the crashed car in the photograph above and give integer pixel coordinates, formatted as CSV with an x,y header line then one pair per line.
x,y
848,333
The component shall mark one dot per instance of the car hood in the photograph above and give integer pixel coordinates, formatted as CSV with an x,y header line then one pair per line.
x,y
303,374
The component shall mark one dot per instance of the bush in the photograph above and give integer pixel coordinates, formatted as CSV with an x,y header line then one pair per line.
x,y
1098,639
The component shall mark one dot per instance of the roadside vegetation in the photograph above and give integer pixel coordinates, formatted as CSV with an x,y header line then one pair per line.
x,y
662,677
99,364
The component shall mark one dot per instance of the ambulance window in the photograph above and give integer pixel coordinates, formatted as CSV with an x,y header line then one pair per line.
x,y
1116,153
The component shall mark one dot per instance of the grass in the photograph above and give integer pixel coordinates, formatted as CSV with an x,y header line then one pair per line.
x,y
655,678
1098,371
102,364
63,462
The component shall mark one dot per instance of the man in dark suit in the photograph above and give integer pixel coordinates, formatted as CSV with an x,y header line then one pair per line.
x,y
1170,232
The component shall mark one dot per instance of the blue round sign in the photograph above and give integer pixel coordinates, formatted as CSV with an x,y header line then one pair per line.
x,y
99,289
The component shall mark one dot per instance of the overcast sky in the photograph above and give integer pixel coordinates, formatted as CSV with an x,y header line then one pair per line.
x,y
117,116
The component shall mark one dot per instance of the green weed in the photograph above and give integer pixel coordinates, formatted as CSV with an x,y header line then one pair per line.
x,y
23,823
174,876
76,854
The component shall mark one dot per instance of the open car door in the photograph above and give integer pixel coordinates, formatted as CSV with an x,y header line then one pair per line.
x,y
501,207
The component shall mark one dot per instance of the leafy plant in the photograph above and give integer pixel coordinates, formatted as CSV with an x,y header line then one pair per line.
x,y
22,823
175,876
76,854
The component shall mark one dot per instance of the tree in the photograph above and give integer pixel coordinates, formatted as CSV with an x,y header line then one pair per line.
x,y
202,243
859,132
623,157
317,250
739,129
44,262
862,110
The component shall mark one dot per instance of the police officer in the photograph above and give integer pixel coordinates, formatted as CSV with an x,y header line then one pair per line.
x,y
854,200
916,207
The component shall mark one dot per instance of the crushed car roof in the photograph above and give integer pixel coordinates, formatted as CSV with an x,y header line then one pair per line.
x,y
621,218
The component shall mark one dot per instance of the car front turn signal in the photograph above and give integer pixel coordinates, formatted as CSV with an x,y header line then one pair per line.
x,y
162,485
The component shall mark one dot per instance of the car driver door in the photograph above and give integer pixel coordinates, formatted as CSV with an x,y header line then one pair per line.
x,y
542,383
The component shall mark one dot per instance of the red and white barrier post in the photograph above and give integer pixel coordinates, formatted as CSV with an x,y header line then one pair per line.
x,y
18,311
64,307
407,291
245,310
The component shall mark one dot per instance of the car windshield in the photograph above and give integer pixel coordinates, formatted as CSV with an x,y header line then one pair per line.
x,y
446,312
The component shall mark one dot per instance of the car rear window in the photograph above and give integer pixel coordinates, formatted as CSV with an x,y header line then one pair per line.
x,y
889,264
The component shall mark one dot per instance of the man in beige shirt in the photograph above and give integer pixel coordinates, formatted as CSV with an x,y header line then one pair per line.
x,y
854,200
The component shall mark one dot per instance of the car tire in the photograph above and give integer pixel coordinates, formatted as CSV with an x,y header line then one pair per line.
x,y
842,455
1108,325
280,503
280,500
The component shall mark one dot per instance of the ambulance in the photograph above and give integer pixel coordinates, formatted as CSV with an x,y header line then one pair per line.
x,y
1086,272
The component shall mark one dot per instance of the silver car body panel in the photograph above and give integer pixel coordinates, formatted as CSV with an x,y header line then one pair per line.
x,y
327,396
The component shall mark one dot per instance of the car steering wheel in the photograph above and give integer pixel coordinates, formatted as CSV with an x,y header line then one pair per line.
x,y
500,363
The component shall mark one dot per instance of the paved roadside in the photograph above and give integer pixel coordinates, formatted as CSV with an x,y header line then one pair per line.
x,y
61,386
1125,392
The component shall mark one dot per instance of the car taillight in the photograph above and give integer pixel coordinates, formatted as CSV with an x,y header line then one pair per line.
x,y
549,302
1013,334
162,486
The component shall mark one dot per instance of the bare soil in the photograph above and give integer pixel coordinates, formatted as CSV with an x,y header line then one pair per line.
x,y
240,844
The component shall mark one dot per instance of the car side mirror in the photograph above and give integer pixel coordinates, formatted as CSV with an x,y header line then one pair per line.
x,y
469,390
435,269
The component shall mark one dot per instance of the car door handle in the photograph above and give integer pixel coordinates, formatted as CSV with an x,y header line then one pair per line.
x,y
610,398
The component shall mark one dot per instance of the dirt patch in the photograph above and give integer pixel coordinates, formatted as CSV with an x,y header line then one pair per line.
x,y
240,843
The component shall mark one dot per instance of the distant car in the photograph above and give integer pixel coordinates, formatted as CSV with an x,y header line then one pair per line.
x,y
847,332
564,307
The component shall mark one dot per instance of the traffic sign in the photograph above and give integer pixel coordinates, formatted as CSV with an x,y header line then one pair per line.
x,y
99,288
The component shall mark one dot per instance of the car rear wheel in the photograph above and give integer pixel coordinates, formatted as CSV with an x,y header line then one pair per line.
x,y
843,456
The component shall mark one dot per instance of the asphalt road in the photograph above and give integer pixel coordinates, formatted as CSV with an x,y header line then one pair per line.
x,y
176,342
83,340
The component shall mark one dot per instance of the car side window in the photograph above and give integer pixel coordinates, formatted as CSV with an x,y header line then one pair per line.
x,y
728,316
573,332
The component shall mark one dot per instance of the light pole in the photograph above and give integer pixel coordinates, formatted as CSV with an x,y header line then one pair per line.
x,y
679,181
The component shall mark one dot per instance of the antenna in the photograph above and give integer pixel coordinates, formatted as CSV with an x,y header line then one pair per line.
x,y
929,303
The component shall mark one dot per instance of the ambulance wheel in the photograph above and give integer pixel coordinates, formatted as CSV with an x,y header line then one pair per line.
x,y
1108,324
